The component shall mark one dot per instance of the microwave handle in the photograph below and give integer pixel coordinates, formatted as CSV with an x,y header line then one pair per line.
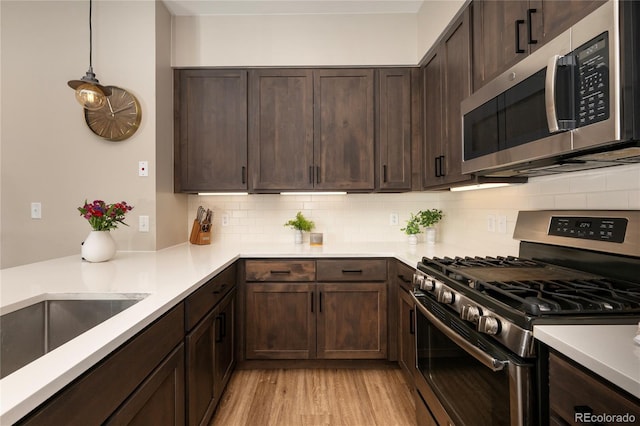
x,y
550,94
487,360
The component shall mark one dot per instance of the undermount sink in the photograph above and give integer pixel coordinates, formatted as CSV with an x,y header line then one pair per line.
x,y
28,333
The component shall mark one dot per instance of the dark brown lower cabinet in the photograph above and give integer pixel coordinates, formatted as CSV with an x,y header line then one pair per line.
x,y
304,320
402,279
280,321
575,394
352,321
143,374
210,360
160,399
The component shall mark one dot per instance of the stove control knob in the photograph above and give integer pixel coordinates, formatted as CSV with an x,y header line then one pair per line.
x,y
470,313
445,296
428,284
417,281
489,325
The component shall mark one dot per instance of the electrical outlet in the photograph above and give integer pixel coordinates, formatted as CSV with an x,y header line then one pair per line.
x,y
36,210
393,219
502,224
491,223
143,223
225,219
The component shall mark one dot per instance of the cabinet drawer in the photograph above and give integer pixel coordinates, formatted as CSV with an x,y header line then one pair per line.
x,y
571,387
404,274
352,270
280,270
207,296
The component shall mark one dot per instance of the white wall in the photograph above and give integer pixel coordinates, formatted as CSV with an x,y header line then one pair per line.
x,y
295,40
365,217
170,209
48,152
433,17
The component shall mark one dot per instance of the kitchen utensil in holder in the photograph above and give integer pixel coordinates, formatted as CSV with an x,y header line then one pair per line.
x,y
199,235
201,229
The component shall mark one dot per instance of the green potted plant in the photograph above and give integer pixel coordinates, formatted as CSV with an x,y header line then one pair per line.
x,y
300,224
413,228
423,218
428,218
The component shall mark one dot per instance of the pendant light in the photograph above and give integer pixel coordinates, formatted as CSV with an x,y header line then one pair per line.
x,y
89,93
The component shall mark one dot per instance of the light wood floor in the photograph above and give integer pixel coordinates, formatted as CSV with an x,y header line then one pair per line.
x,y
301,397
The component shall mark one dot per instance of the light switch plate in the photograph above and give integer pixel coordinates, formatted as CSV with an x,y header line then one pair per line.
x,y
143,223
502,224
36,210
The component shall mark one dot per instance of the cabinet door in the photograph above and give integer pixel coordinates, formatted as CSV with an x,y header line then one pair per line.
x,y
352,321
160,398
201,398
551,17
406,334
211,130
457,75
281,129
394,129
280,322
500,31
343,129
224,358
434,110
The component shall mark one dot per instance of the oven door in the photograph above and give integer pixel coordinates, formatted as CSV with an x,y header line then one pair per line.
x,y
466,379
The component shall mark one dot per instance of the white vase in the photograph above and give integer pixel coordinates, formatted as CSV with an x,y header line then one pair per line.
x,y
98,247
412,239
430,235
297,236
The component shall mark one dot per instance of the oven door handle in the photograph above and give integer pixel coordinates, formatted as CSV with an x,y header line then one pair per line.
x,y
487,360
550,94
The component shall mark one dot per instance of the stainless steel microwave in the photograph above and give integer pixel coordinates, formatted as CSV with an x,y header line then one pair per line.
x,y
572,104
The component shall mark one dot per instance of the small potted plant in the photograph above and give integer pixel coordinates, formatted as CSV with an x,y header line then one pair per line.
x,y
99,246
300,224
428,218
413,228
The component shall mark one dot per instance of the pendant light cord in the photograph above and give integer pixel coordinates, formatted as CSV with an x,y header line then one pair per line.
x,y
90,38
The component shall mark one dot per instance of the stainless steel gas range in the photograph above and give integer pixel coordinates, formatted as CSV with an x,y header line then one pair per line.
x,y
477,360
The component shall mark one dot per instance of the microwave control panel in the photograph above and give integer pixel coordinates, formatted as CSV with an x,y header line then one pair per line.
x,y
590,228
592,98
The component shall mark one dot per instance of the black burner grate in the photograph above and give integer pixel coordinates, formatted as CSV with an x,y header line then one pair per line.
x,y
537,288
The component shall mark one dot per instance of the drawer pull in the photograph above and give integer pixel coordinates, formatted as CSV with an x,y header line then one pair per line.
x,y
277,271
219,290
404,280
352,271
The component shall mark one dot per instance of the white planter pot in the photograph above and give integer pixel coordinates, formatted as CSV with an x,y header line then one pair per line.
x,y
412,239
297,236
430,235
98,247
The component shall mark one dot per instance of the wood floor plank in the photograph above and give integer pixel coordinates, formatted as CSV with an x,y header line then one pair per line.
x,y
306,397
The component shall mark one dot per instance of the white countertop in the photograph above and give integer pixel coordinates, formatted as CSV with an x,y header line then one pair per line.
x,y
168,276
607,350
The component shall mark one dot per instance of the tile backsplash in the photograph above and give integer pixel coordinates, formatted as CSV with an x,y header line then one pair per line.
x,y
366,217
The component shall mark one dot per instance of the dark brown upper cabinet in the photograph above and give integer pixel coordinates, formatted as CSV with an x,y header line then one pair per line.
x,y
505,32
343,130
393,129
446,82
210,130
281,130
